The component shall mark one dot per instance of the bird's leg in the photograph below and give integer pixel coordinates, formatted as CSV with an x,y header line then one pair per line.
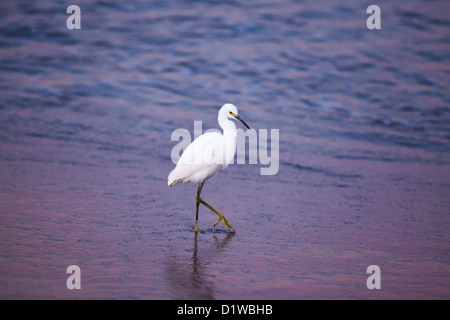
x,y
221,216
199,200
197,203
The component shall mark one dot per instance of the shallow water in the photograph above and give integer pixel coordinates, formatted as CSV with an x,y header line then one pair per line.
x,y
86,118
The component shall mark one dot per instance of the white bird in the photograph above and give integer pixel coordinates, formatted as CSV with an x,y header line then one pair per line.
x,y
206,155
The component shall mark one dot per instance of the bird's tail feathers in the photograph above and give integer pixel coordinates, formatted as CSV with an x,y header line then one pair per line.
x,y
171,181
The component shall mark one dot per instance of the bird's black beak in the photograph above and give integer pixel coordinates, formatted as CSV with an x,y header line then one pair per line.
x,y
237,117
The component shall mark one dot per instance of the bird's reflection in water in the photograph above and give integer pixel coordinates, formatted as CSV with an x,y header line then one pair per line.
x,y
189,278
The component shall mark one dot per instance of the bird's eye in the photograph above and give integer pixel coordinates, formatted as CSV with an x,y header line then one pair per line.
x,y
231,112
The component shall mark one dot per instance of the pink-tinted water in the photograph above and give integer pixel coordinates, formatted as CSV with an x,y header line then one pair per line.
x,y
86,118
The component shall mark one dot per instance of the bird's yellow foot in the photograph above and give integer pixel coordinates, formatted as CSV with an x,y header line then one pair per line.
x,y
225,223
221,216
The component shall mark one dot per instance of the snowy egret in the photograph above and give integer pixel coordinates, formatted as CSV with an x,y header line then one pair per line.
x,y
206,155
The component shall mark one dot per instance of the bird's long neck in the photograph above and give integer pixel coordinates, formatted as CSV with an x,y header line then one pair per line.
x,y
229,140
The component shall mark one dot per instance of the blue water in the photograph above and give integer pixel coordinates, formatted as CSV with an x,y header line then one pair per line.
x,y
86,118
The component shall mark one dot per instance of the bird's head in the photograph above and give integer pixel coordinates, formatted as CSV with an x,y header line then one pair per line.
x,y
230,111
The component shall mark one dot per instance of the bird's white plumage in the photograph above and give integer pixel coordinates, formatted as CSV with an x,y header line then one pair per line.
x,y
198,161
208,153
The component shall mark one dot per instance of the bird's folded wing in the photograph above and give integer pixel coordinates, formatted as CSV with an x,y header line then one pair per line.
x,y
201,153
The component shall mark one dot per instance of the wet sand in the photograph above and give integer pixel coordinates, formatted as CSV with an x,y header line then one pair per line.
x,y
86,118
